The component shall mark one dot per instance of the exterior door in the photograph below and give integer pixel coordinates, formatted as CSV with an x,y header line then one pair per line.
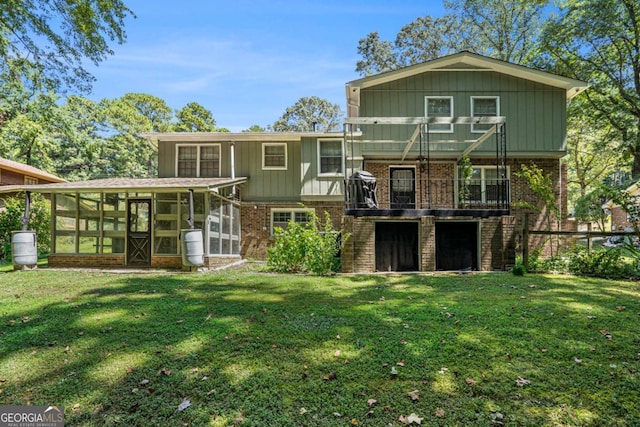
x,y
139,232
457,246
397,247
403,188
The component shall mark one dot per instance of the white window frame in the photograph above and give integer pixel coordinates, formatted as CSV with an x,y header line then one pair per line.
x,y
319,144
198,159
291,211
483,181
474,128
274,144
426,113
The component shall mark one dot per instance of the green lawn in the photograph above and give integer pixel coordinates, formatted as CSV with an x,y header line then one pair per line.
x,y
253,349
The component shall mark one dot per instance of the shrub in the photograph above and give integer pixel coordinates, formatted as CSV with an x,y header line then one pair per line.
x,y
39,221
607,263
313,247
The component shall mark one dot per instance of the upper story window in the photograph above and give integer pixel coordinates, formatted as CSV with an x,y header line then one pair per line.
x,y
439,106
198,160
484,106
274,156
29,180
330,158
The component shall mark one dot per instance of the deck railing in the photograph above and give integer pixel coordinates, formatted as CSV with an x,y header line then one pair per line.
x,y
428,194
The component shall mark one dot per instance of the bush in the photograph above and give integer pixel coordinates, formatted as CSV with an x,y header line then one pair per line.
x,y
39,221
306,248
519,269
608,263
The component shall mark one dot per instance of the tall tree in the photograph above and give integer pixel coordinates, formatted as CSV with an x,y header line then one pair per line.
x,y
309,115
193,117
56,37
599,41
503,29
592,154
27,136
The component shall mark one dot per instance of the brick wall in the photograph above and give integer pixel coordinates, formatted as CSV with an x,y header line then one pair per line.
x,y
256,223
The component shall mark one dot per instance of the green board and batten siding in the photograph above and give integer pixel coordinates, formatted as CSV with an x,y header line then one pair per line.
x,y
297,182
534,112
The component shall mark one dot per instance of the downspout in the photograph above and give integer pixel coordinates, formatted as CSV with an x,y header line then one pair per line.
x,y
233,167
190,219
27,208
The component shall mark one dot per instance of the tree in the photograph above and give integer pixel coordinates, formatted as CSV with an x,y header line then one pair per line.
x,y
26,134
193,117
599,41
503,29
310,115
79,140
255,128
592,152
52,39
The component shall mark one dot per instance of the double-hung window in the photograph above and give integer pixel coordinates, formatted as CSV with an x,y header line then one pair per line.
x,y
280,218
274,156
484,106
439,106
330,159
198,161
485,186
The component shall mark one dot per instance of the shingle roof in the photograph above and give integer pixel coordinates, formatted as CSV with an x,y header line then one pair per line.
x,y
28,170
129,184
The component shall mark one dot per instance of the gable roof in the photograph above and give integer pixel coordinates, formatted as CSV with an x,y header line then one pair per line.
x,y
466,61
28,170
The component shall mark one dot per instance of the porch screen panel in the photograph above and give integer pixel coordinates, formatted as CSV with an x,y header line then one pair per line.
x,y
224,227
65,212
166,224
114,223
89,223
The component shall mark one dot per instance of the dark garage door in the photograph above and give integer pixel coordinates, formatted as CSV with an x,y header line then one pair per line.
x,y
397,246
456,245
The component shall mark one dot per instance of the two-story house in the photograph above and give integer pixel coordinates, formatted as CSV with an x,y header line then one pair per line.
x,y
422,177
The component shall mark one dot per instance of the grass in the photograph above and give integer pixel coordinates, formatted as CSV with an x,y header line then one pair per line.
x,y
254,349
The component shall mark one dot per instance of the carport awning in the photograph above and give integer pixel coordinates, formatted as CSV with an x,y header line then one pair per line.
x,y
129,185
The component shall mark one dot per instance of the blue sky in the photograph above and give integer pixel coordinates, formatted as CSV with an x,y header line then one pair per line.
x,y
247,61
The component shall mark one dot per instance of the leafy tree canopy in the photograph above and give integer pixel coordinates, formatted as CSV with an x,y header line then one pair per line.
x,y
45,42
504,29
310,114
599,41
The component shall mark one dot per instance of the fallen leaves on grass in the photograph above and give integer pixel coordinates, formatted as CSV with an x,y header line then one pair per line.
x,y
521,382
184,405
606,334
165,372
439,412
411,419
303,411
331,376
414,395
371,402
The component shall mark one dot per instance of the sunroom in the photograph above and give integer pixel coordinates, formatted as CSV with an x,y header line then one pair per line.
x,y
138,222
